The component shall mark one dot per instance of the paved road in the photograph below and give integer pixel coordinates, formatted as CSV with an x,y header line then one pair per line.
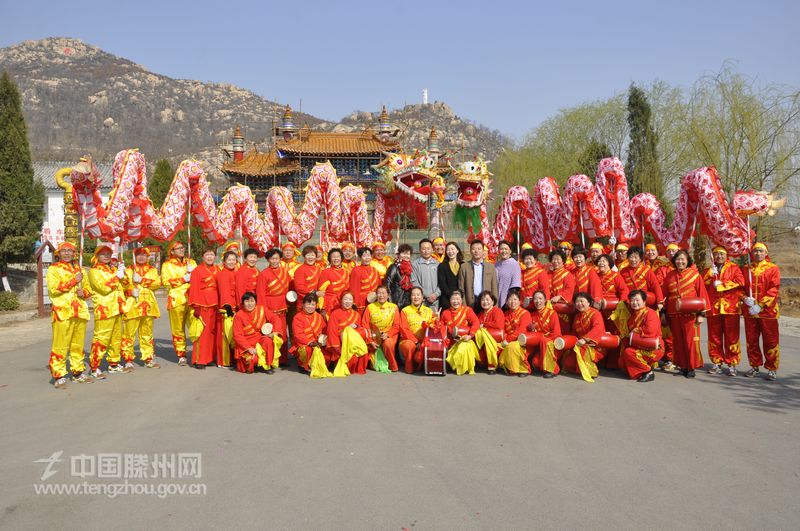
x,y
402,452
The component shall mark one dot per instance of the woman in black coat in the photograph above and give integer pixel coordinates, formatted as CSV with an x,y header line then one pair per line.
x,y
398,277
447,273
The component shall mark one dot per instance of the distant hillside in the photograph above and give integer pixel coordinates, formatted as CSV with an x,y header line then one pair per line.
x,y
79,99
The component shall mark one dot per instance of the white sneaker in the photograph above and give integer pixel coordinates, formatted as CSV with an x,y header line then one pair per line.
x,y
752,372
772,375
114,368
97,374
128,367
715,369
182,361
668,367
152,365
732,371
61,383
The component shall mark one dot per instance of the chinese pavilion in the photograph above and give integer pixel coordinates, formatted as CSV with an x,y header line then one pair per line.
x,y
295,151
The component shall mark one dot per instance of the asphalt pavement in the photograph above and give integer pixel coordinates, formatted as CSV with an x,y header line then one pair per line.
x,y
394,451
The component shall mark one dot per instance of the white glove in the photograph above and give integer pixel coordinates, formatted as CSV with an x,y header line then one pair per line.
x,y
121,271
135,293
749,301
190,267
136,278
754,309
187,277
717,283
714,270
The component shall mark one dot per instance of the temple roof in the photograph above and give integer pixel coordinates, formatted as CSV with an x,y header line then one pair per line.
x,y
260,164
316,143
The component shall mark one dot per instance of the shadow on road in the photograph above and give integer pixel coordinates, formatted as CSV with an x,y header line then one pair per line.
x,y
781,395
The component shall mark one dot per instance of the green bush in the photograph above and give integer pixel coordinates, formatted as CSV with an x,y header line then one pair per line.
x,y
8,301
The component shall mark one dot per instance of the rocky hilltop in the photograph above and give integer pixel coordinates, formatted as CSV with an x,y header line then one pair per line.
x,y
80,99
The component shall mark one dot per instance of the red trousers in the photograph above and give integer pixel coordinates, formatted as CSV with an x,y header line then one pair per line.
x,y
612,358
723,339
412,355
536,352
388,346
767,330
248,367
638,361
569,362
685,341
204,349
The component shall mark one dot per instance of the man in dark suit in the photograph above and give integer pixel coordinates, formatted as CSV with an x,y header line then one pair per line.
x,y
476,276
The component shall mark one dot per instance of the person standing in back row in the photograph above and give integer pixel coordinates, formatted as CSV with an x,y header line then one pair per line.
x,y
476,276
423,274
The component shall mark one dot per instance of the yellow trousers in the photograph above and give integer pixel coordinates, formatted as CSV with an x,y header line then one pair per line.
x,y
177,324
106,339
485,341
68,339
144,327
462,355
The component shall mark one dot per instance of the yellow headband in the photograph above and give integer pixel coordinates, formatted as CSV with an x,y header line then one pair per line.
x,y
719,249
650,246
760,245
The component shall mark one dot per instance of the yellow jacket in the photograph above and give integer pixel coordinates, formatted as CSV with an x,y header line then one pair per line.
x,y
62,288
107,293
145,304
172,272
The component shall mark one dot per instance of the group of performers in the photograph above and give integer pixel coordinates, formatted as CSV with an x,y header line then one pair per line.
x,y
341,312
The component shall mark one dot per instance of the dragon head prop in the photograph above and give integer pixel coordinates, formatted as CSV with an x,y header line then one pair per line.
x,y
413,175
472,178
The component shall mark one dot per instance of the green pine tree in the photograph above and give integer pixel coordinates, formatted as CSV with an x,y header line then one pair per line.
x,y
643,171
21,198
157,188
591,157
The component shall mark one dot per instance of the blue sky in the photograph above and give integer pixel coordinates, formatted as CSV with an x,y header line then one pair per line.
x,y
508,65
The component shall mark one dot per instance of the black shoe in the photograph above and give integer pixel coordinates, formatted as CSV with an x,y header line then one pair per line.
x,y
647,377
270,371
681,373
491,371
523,375
548,375
199,366
689,374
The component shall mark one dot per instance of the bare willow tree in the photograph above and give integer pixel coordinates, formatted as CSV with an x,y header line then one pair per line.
x,y
750,132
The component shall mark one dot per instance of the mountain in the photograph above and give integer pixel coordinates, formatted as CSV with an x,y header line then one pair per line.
x,y
80,99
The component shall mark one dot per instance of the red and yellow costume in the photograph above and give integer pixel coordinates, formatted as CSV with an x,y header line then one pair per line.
x,y
306,329
204,299
637,361
173,277
764,286
226,286
306,280
582,359
383,318
346,343
141,310
271,289
108,298
333,281
534,279
588,281
683,327
413,324
247,280
725,290
461,355
348,264
490,335
562,283
69,316
381,264
247,334
642,277
364,279
514,356
291,264
438,257
546,323
614,287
